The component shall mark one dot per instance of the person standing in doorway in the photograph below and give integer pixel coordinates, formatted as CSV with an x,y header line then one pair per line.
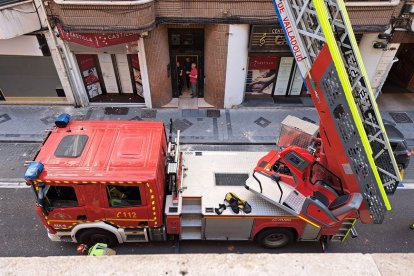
x,y
180,75
193,79
187,67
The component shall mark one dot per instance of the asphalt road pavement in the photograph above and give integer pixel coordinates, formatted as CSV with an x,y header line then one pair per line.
x,y
24,235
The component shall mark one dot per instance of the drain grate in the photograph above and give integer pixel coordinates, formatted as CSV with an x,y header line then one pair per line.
x,y
231,179
401,117
116,110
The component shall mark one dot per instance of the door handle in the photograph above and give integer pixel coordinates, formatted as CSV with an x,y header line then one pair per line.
x,y
81,217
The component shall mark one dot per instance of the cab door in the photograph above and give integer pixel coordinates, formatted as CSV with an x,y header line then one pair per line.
x,y
126,205
63,207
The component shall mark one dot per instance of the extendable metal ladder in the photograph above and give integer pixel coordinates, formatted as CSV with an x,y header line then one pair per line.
x,y
314,28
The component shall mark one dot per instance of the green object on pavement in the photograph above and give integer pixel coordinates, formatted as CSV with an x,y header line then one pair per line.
x,y
98,249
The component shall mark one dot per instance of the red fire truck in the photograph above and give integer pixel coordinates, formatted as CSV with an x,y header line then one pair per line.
x,y
116,182
122,181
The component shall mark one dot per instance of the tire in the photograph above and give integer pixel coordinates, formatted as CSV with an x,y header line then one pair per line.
x,y
273,238
93,236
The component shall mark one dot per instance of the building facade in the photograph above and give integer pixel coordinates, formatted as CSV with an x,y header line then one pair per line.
x,y
127,51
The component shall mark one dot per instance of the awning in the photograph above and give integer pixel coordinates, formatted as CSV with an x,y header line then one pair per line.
x,y
96,40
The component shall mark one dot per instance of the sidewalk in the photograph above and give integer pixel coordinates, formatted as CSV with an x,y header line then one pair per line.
x,y
248,125
227,126
214,264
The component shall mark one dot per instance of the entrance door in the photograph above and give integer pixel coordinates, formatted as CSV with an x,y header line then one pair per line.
x,y
186,43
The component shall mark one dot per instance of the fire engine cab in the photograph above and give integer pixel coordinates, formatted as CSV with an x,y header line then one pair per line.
x,y
122,181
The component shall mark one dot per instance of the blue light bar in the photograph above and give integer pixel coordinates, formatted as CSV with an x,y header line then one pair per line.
x,y
33,171
62,120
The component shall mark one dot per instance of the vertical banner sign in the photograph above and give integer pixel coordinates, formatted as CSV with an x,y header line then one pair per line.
x,y
261,74
90,75
291,36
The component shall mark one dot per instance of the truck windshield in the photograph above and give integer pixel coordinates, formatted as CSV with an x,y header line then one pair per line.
x,y
321,173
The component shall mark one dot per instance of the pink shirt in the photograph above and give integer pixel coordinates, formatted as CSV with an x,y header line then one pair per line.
x,y
193,72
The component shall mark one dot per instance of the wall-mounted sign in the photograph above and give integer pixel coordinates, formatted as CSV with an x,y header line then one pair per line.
x,y
261,75
97,40
268,39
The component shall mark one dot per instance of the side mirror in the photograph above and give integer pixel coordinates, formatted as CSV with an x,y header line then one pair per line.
x,y
41,198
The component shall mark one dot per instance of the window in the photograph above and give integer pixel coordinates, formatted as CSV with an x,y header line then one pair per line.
x,y
71,146
60,197
123,196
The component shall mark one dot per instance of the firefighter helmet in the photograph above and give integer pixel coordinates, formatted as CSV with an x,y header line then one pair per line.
x,y
82,249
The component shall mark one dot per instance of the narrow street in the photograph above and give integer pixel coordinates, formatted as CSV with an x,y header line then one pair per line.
x,y
24,235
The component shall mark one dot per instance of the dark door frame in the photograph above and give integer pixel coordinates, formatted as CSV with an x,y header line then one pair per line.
x,y
186,42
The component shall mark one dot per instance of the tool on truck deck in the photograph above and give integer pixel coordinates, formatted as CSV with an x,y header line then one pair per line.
x,y
235,203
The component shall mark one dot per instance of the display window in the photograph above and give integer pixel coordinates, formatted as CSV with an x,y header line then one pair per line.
x,y
261,75
90,75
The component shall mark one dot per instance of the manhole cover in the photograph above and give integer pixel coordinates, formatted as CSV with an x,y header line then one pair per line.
x,y
116,110
231,179
148,113
401,117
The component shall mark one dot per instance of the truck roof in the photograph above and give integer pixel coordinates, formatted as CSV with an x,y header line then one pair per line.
x,y
103,151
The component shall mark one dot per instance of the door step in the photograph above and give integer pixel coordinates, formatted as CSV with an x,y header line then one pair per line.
x,y
191,233
191,205
191,219
346,228
136,235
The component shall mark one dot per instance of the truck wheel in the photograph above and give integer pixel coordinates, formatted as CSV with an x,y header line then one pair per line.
x,y
275,237
94,236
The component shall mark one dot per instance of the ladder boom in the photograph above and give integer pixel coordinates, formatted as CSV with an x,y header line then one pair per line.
x,y
319,33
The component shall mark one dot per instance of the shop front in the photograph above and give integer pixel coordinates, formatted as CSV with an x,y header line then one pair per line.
x,y
272,72
27,71
109,66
